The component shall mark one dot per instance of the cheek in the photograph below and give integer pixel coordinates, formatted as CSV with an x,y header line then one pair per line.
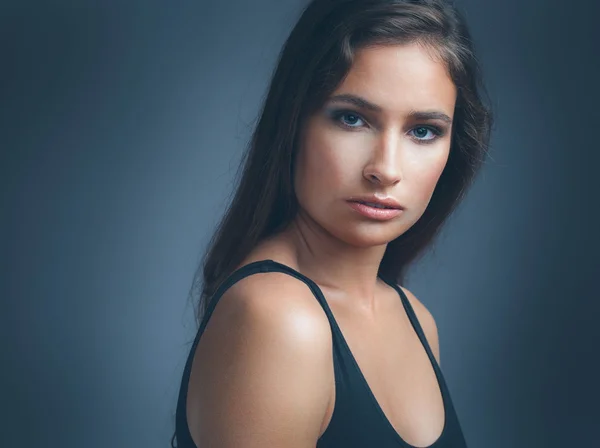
x,y
426,174
315,174
312,175
324,166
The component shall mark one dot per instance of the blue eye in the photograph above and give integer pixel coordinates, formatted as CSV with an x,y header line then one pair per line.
x,y
347,118
421,132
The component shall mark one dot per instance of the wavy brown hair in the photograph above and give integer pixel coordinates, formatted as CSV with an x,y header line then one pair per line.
x,y
314,60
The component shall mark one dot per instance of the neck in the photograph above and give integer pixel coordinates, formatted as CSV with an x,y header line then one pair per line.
x,y
348,273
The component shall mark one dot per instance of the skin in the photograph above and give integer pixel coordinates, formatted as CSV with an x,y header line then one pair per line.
x,y
388,152
379,154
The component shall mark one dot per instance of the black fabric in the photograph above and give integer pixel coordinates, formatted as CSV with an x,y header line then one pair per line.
x,y
357,421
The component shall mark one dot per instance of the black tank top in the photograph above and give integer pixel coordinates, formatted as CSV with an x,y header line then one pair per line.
x,y
357,421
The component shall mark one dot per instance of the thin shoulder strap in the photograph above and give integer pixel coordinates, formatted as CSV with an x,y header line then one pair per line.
x,y
266,265
413,319
232,279
182,429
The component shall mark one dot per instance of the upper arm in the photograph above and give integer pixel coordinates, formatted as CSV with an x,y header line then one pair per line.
x,y
264,367
427,323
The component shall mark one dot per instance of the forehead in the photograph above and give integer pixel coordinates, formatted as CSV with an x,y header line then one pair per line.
x,y
400,78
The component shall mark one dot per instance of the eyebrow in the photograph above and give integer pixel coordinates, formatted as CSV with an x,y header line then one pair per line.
x,y
364,104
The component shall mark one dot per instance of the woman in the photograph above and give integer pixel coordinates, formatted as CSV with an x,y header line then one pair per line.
x,y
372,130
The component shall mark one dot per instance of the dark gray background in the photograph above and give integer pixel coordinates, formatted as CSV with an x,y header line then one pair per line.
x,y
121,124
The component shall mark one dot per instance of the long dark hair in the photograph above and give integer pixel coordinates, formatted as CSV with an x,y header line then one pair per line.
x,y
314,60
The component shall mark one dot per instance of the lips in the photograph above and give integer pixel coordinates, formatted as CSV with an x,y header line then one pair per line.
x,y
375,210
377,202
376,205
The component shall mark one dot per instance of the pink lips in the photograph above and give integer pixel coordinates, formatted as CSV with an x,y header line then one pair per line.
x,y
380,214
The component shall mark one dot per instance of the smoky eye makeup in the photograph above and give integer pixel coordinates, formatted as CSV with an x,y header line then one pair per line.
x,y
435,133
346,118
422,133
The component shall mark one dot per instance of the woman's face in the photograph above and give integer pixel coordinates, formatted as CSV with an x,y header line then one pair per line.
x,y
388,136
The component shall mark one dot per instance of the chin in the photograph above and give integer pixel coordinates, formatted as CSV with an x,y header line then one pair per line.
x,y
369,234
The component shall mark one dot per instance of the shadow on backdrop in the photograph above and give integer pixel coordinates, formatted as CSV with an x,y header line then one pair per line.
x,y
121,127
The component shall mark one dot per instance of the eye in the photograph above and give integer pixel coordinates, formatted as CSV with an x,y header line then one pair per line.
x,y
347,118
426,133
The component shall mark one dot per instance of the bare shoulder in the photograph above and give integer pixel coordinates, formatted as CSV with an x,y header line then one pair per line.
x,y
427,322
280,302
263,367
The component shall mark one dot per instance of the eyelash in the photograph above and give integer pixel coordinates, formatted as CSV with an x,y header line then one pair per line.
x,y
336,115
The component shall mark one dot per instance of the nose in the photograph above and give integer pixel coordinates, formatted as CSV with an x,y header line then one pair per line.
x,y
383,168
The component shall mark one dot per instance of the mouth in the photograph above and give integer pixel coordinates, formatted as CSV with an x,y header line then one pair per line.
x,y
388,203
377,205
375,210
